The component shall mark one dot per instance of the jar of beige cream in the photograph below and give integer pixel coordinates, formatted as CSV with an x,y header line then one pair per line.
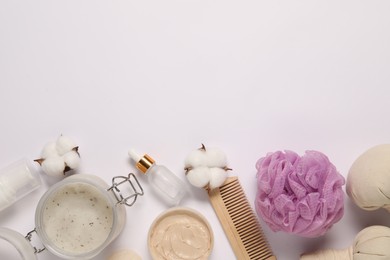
x,y
80,215
180,234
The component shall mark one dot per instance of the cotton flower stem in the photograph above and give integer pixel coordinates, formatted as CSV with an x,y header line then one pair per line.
x,y
76,149
187,169
67,168
203,148
40,161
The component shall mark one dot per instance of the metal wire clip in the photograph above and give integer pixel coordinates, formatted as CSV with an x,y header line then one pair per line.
x,y
29,238
135,189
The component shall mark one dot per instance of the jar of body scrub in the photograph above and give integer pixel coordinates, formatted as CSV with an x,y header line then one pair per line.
x,y
80,215
180,234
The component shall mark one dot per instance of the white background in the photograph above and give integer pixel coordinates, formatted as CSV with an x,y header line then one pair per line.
x,y
249,77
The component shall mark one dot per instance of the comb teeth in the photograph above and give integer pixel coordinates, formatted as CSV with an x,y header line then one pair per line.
x,y
239,221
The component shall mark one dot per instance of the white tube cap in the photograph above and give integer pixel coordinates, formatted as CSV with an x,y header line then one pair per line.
x,y
16,181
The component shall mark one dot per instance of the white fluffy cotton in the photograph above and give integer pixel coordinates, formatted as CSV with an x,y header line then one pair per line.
x,y
217,177
49,149
196,158
59,156
64,144
199,176
210,157
53,165
206,167
215,158
72,159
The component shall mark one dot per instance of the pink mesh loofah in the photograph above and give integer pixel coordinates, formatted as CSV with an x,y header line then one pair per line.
x,y
300,195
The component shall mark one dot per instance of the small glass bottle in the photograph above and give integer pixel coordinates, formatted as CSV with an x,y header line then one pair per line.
x,y
166,184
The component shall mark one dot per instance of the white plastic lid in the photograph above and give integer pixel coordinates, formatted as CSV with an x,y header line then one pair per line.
x,y
16,181
19,242
134,155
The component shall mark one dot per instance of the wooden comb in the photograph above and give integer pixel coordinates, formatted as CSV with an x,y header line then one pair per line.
x,y
239,221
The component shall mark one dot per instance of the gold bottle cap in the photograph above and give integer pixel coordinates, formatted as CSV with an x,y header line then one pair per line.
x,y
145,163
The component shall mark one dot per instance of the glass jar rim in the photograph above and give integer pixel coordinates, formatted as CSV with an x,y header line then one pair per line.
x,y
19,242
91,180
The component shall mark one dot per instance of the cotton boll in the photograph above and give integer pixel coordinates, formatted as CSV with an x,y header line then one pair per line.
x,y
64,144
125,255
53,166
217,177
48,150
210,160
199,177
72,159
59,157
215,158
210,157
196,158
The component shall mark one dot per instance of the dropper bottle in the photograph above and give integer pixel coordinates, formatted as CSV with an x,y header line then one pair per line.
x,y
166,184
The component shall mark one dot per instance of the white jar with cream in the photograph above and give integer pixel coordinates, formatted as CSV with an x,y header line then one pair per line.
x,y
80,215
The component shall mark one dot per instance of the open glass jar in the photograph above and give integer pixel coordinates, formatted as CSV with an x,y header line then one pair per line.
x,y
79,216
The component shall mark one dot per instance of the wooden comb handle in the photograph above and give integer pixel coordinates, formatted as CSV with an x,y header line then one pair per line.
x,y
239,221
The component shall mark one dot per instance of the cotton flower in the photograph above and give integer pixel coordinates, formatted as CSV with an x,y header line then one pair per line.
x,y
206,168
300,195
59,157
